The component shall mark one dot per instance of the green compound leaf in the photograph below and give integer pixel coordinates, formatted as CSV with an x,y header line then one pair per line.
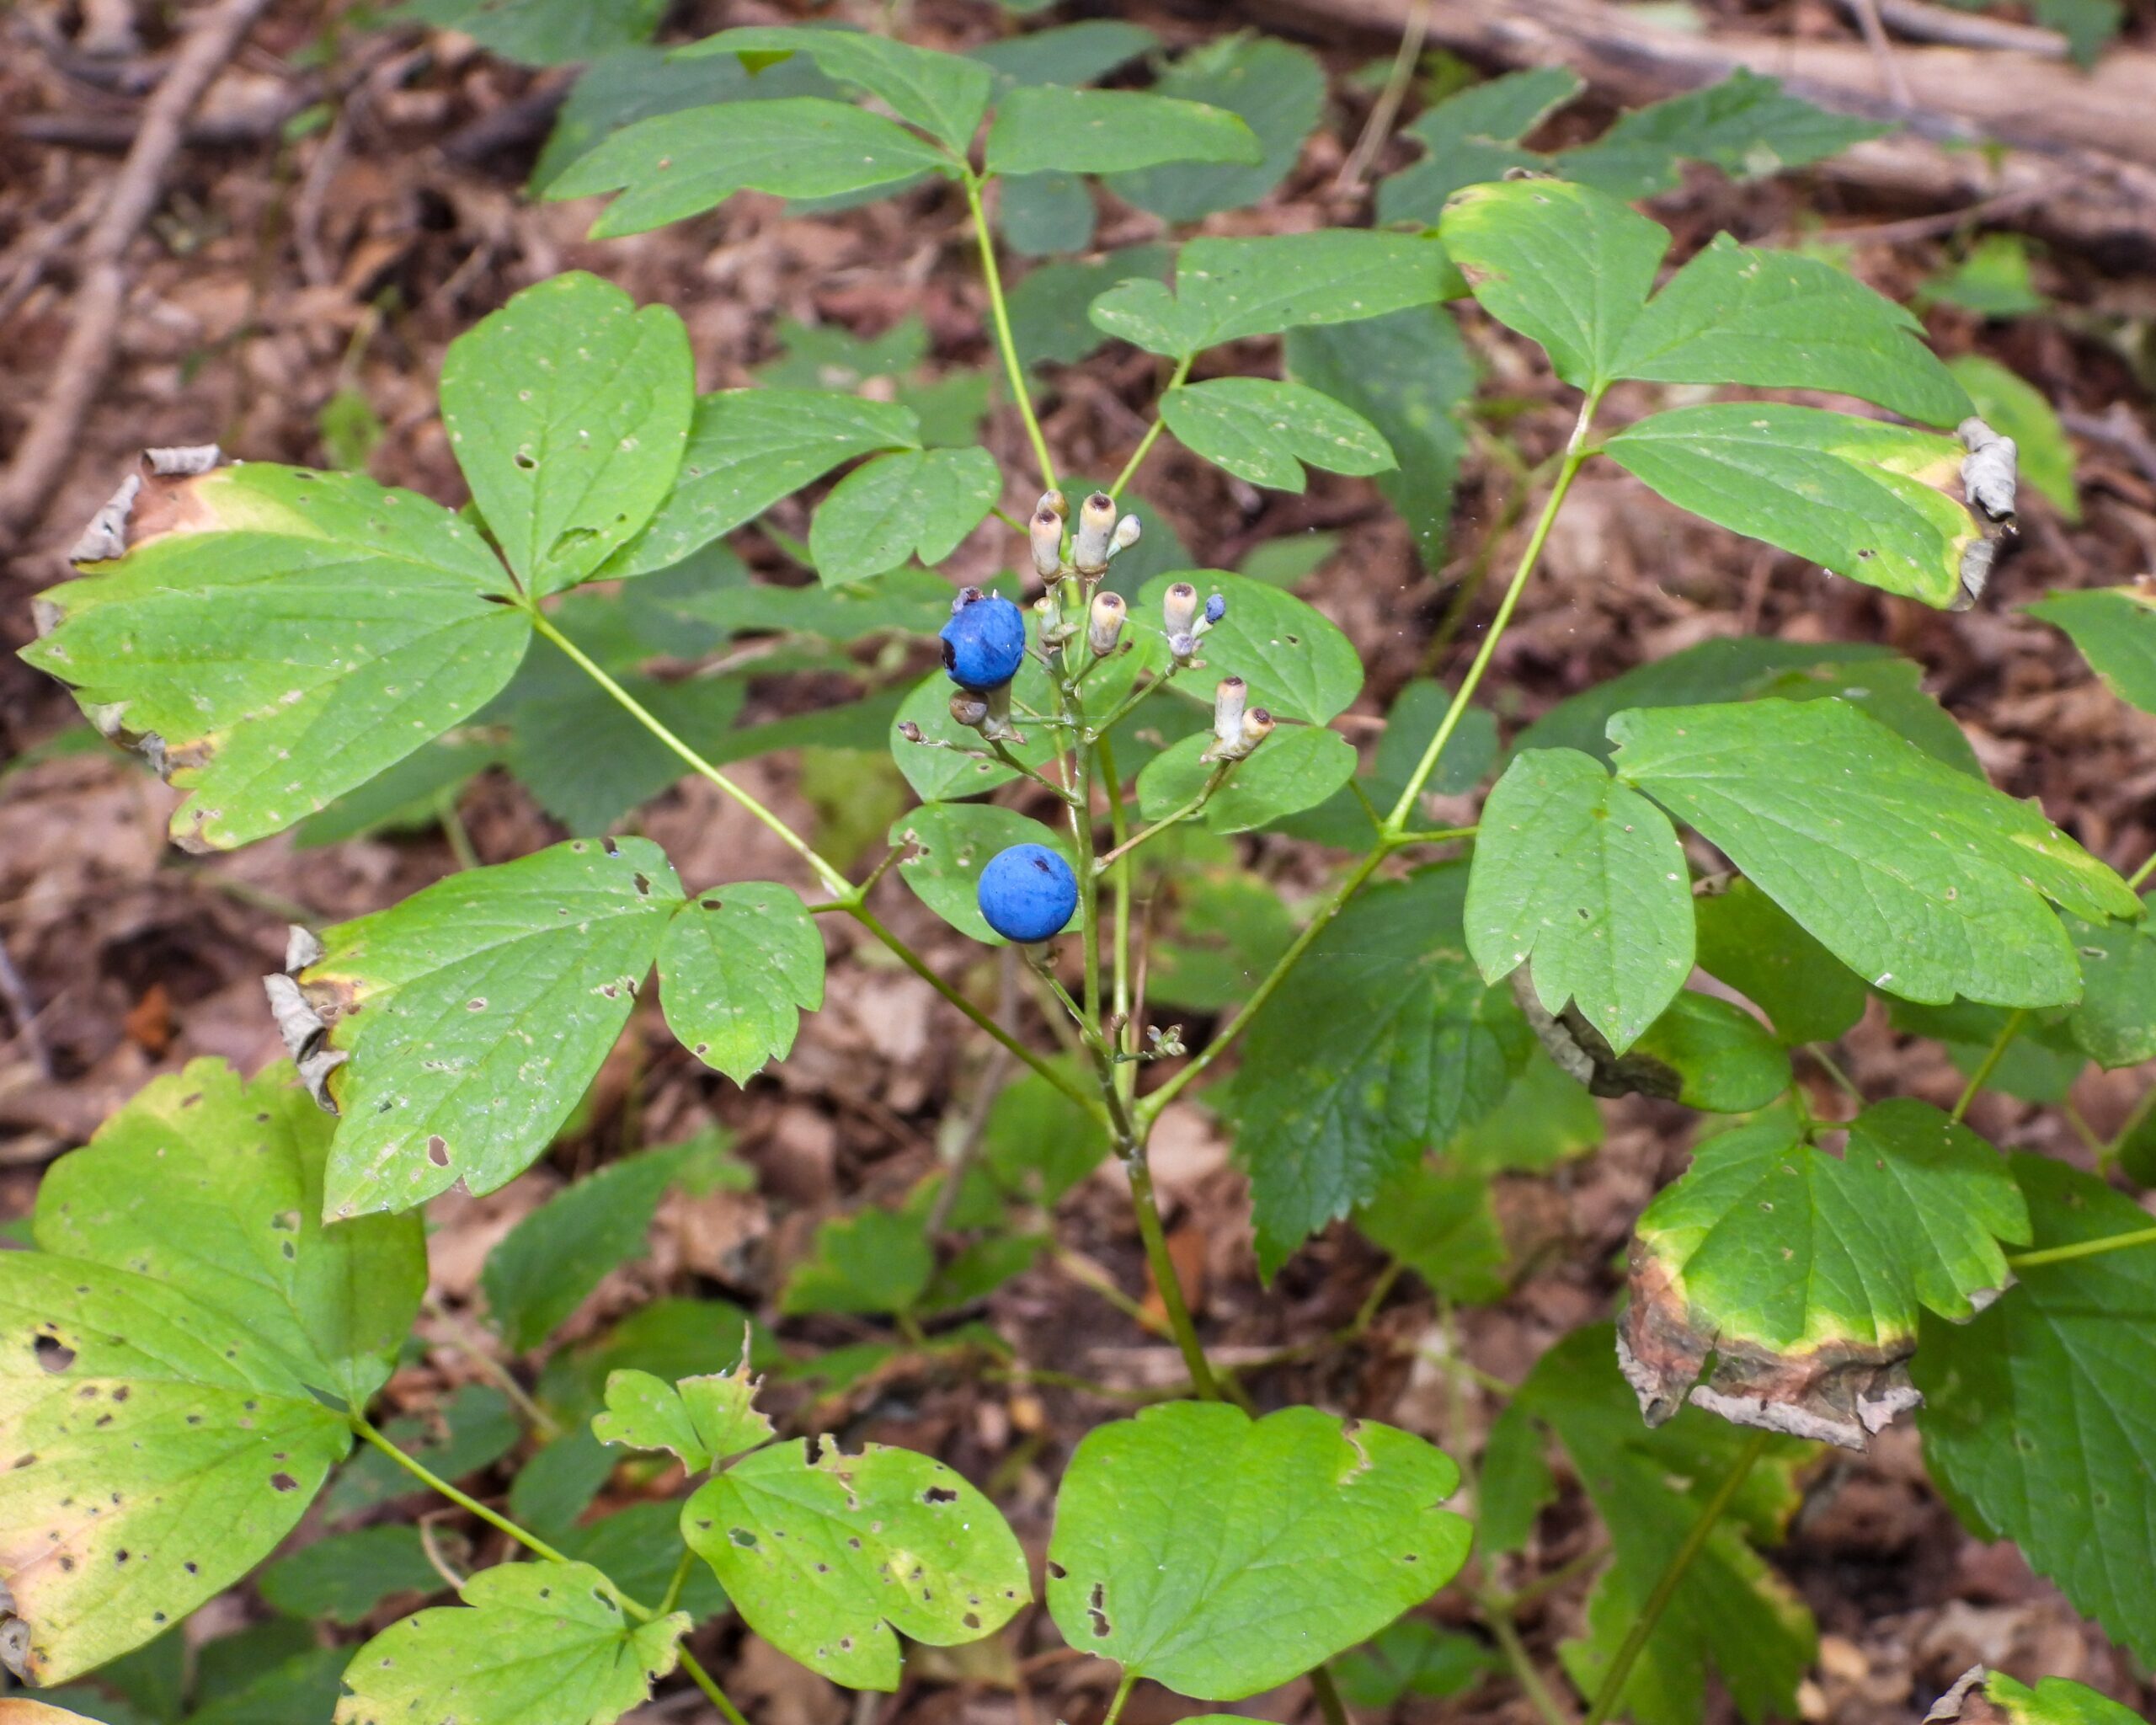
x,y
533,1644
1221,1555
679,164
1409,373
825,1557
2115,627
1921,880
1295,768
1227,289
2012,406
871,1263
1297,664
550,1262
212,1186
1381,1040
276,638
2036,1424
1052,128
345,1577
951,843
1747,941
1561,264
702,1421
945,94
2114,1024
569,410
748,448
2055,1701
919,502
1779,320
1803,1272
1858,497
1277,90
1264,431
475,1013
157,1383
1650,1486
737,967
1746,126
1587,879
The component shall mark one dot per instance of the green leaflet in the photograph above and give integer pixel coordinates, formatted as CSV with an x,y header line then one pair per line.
x,y
2036,1414
569,410
544,32
345,1577
1746,126
1297,767
1587,878
1227,289
873,1262
2115,627
1856,496
2010,404
212,1186
1993,279
1297,664
1221,1555
534,1644
1474,136
1412,1657
1804,1272
1747,941
1041,213
161,1346
1443,1228
1722,1058
944,94
1039,1143
1409,373
1065,54
825,1557
1924,882
919,502
1264,431
679,164
1382,1040
639,1547
1544,1120
1048,320
476,1012
952,842
747,448
306,632
1779,320
1649,1487
965,768
1052,128
738,965
545,1267
1277,90
2055,1701
702,1421
2114,1024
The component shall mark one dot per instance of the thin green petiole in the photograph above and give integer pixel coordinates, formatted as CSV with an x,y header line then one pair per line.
x,y
679,1580
463,1500
2081,1249
1993,1055
1328,1694
712,1693
2134,881
1152,431
1000,313
1122,1695
1173,819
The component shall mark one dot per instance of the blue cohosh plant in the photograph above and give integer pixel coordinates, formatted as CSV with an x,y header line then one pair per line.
x,y
222,1280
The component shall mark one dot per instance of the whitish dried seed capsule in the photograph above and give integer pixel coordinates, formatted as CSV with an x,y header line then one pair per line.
x,y
1089,546
1228,699
1127,533
1179,609
1106,623
1046,531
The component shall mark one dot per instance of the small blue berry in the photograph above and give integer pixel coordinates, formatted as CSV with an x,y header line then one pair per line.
x,y
1027,893
1216,608
984,642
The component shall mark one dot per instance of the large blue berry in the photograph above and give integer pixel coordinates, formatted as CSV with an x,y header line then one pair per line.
x,y
1027,893
984,642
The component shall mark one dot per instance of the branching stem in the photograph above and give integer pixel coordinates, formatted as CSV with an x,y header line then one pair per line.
x,y
1152,432
2081,1249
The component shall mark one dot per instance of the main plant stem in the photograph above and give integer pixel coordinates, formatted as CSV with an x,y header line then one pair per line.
x,y
1643,1626
1000,312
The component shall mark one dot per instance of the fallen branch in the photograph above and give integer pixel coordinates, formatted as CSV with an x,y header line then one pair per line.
x,y
101,292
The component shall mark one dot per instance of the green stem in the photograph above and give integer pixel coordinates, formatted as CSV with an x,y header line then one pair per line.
x,y
1152,431
2134,880
2081,1249
677,1581
2134,1122
1000,314
1328,1694
464,1501
1621,1667
1168,1281
644,716
712,1693
1119,830
1993,1055
1435,835
1122,1695
1173,819
1537,1693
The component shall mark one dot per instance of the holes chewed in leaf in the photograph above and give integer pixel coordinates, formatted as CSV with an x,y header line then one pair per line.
x,y
52,1354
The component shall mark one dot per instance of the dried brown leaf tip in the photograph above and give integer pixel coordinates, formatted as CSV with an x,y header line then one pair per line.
x,y
1966,1704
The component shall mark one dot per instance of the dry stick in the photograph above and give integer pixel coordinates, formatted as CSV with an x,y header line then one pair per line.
x,y
1386,109
23,1009
101,293
1882,50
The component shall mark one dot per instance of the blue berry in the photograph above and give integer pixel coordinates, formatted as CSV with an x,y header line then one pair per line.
x,y
1216,608
1027,893
983,643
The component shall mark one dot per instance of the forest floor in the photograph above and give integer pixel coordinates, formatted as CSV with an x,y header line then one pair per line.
x,y
254,302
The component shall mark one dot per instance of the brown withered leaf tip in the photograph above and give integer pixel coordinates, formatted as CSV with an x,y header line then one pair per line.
x,y
1840,1393
1966,1703
303,1015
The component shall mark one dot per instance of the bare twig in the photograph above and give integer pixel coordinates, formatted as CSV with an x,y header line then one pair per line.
x,y
101,293
1920,21
2118,428
16,994
1387,109
1882,50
